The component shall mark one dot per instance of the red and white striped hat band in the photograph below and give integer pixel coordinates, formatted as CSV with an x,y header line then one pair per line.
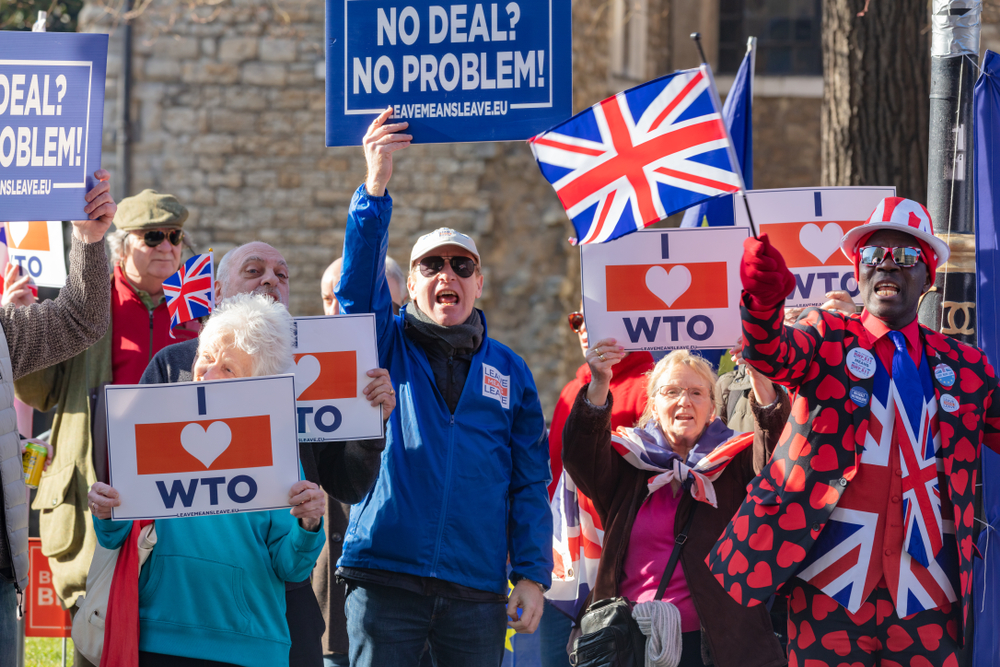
x,y
901,214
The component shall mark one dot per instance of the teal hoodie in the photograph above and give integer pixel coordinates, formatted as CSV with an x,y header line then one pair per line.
x,y
214,586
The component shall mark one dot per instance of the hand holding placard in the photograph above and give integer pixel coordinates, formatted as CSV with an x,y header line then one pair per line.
x,y
100,208
380,392
308,504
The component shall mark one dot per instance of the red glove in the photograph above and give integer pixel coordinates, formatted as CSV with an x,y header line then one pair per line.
x,y
765,277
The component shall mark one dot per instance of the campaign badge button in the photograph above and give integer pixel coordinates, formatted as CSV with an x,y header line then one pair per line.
x,y
944,375
949,403
859,396
861,363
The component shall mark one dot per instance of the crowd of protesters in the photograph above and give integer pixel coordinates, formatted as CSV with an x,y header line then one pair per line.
x,y
710,504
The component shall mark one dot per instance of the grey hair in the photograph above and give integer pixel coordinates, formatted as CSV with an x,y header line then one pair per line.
x,y
260,327
395,271
116,244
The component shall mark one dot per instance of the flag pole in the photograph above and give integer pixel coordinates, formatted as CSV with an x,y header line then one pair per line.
x,y
707,69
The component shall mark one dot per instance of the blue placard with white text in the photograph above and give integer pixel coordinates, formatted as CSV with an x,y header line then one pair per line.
x,y
51,115
488,71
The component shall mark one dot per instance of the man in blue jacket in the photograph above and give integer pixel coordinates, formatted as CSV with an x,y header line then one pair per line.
x,y
462,488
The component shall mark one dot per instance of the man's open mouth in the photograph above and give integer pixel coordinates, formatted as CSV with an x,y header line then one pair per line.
x,y
448,297
886,288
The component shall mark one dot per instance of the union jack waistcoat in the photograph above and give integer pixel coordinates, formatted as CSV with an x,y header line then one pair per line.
x,y
789,504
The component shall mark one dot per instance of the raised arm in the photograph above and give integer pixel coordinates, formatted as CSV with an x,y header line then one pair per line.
x,y
47,333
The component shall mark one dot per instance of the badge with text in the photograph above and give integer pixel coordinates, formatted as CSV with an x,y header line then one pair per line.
x,y
949,403
37,247
198,448
665,289
51,119
945,375
806,225
859,396
486,71
333,355
861,363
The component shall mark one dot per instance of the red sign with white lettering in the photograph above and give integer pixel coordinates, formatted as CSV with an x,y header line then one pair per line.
x,y
43,615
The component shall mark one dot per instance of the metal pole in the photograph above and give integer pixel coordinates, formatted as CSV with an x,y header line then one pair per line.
x,y
950,306
124,126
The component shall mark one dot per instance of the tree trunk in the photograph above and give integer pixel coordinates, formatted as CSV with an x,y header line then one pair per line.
x,y
876,71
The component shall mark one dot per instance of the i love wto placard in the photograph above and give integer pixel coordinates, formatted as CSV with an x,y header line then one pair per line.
x,y
198,448
664,289
333,355
806,225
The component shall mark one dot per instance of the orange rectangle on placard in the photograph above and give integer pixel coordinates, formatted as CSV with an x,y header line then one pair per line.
x,y
806,244
242,442
335,377
667,286
33,235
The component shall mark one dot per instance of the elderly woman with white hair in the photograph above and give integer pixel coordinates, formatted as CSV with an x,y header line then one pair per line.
x,y
664,491
212,591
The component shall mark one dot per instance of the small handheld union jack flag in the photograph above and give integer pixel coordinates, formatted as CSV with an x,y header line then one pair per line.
x,y
190,292
640,156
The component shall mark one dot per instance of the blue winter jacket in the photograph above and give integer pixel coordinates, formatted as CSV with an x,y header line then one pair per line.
x,y
456,494
214,586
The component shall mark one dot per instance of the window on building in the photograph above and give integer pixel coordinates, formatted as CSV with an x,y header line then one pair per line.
x,y
788,36
628,39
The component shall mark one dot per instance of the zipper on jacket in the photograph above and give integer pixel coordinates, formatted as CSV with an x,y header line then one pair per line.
x,y
151,335
448,385
13,569
444,500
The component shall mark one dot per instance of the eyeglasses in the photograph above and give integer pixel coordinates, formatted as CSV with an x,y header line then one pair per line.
x,y
575,321
673,393
155,237
903,256
462,266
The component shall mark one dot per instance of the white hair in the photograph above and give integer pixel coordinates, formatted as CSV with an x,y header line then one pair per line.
x,y
116,244
259,326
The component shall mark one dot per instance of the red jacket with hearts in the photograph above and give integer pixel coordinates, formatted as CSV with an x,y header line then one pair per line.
x,y
821,446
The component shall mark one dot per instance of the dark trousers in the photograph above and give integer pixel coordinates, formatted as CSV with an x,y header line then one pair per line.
x,y
391,626
821,633
305,625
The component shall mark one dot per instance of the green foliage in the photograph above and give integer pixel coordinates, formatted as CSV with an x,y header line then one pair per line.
x,y
21,14
39,652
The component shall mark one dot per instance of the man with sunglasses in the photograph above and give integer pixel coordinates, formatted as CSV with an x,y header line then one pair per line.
x,y
463,485
146,249
864,515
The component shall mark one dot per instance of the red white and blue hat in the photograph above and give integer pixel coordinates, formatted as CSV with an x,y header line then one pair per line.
x,y
901,214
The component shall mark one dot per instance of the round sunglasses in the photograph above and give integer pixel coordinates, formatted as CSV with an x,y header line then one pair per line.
x,y
155,237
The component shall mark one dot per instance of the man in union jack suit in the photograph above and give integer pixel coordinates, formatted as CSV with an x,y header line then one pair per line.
x,y
864,515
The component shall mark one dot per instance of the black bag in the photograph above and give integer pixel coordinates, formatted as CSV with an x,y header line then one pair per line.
x,y
611,637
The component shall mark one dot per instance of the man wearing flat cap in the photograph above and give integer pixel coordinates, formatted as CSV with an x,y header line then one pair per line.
x,y
462,491
145,249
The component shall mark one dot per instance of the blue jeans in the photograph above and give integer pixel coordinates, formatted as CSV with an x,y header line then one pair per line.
x,y
8,622
390,626
554,629
336,660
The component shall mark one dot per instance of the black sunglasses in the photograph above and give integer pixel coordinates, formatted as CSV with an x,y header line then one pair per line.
x,y
462,266
575,321
903,256
155,237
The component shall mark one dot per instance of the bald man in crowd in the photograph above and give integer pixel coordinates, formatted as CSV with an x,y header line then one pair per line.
x,y
393,274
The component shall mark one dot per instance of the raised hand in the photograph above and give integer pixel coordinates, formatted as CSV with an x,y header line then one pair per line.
x,y
100,209
765,276
601,357
380,142
17,289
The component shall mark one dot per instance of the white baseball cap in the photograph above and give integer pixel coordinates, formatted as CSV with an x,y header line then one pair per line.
x,y
444,236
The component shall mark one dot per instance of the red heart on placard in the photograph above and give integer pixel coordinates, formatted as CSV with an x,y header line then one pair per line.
x,y
762,540
796,481
899,639
741,526
838,642
824,459
794,518
737,564
822,495
789,554
930,636
760,577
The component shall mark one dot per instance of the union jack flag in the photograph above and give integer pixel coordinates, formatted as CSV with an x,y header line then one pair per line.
x,y
576,547
190,292
640,156
846,560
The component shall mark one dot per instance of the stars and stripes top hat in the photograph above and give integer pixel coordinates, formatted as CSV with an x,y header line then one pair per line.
x,y
901,214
